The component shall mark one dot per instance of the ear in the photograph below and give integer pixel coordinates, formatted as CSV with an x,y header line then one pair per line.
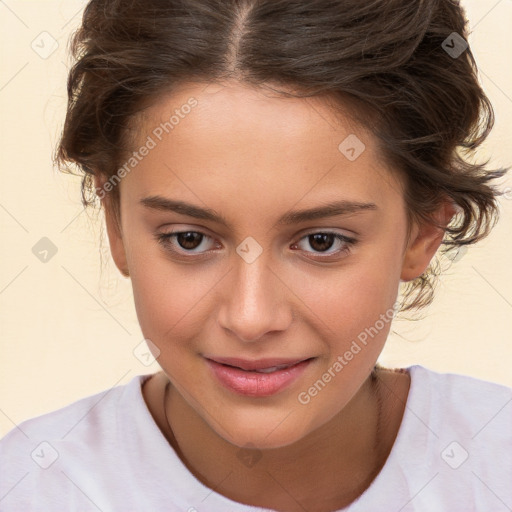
x,y
114,231
424,241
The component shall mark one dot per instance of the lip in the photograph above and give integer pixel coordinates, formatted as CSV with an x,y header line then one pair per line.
x,y
257,364
240,376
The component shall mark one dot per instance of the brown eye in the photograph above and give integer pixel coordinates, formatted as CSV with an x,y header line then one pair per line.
x,y
184,242
321,242
189,240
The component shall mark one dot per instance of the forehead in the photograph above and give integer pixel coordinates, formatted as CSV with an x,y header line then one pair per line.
x,y
258,111
233,137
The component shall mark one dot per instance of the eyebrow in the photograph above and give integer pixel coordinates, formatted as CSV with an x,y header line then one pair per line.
x,y
332,209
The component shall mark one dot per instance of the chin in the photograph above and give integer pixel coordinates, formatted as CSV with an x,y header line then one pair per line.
x,y
264,432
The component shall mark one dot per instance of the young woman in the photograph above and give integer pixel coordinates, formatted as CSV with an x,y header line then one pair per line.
x,y
271,172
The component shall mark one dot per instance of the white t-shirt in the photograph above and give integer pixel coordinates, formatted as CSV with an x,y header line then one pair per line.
x,y
453,452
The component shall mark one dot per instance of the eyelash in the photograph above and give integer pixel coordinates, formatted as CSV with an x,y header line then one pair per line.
x,y
165,240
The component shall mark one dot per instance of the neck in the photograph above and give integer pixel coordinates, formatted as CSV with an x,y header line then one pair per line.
x,y
347,452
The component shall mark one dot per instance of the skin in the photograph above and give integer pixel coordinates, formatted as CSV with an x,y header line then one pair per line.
x,y
253,157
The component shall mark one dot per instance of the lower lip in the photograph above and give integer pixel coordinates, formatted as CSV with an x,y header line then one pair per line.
x,y
252,383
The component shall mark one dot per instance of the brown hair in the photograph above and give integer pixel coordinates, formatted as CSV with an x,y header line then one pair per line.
x,y
385,60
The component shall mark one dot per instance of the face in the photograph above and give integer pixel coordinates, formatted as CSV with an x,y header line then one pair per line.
x,y
224,266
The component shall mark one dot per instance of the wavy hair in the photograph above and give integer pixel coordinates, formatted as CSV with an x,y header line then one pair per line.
x,y
386,61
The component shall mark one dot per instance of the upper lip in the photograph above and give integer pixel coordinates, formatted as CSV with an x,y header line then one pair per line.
x,y
257,364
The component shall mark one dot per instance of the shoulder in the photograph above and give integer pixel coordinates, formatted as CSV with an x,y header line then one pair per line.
x,y
458,431
453,450
464,401
39,451
88,412
461,407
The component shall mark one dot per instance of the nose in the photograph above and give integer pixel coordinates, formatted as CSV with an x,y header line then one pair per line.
x,y
255,301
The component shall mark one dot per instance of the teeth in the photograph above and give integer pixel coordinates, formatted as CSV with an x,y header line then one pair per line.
x,y
273,368
267,370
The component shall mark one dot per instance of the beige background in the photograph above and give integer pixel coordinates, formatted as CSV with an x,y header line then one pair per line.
x,y
68,326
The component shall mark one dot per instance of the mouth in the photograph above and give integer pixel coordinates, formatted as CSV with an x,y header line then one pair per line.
x,y
257,378
260,365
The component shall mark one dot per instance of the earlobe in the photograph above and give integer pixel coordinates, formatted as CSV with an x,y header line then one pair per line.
x,y
424,242
115,237
420,252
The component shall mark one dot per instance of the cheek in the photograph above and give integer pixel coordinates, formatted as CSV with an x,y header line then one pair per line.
x,y
353,312
352,297
167,297
173,301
